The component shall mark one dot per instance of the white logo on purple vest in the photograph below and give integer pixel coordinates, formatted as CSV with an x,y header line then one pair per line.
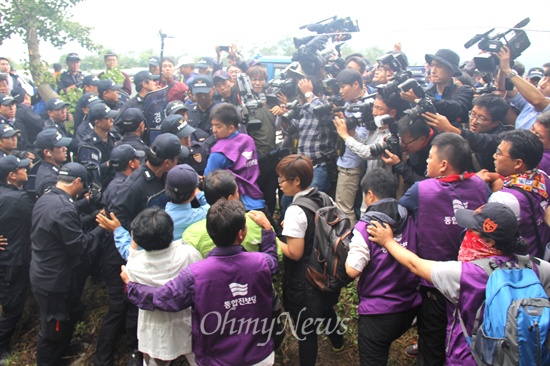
x,y
457,204
247,155
238,289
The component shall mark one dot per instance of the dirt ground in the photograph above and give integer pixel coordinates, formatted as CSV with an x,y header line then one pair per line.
x,y
95,299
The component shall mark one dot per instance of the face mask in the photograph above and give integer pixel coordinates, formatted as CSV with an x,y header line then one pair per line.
x,y
382,120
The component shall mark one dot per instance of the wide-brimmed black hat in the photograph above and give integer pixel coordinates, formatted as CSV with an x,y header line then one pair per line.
x,y
447,57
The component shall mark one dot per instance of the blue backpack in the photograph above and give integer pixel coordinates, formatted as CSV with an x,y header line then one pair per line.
x,y
515,317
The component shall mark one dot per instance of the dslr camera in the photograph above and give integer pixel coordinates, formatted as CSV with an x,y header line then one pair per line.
x,y
392,142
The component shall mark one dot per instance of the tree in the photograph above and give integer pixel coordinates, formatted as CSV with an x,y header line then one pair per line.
x,y
42,20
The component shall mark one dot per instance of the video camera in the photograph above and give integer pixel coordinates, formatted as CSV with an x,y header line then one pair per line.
x,y
335,100
333,25
424,105
360,113
487,62
392,142
294,111
249,102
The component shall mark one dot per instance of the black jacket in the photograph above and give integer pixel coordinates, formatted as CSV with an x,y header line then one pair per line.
x,y
58,242
15,225
484,145
414,170
455,104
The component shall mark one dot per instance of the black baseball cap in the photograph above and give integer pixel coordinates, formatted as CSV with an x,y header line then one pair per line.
x,y
50,137
107,84
55,104
10,164
166,146
72,57
182,179
142,76
131,118
18,94
7,131
75,170
6,99
202,84
122,154
101,110
87,98
154,61
206,62
535,73
90,80
174,106
221,75
493,220
176,125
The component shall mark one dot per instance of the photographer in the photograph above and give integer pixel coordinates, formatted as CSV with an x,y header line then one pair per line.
x,y
451,100
314,136
486,128
416,139
529,99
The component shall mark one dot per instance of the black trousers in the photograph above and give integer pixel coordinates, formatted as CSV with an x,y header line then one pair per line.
x,y
377,332
59,313
432,327
122,314
267,181
14,283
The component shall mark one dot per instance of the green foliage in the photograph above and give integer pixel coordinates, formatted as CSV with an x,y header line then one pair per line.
x,y
347,309
115,75
71,96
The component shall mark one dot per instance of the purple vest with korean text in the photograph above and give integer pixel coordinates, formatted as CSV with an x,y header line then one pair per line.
x,y
242,152
232,314
385,286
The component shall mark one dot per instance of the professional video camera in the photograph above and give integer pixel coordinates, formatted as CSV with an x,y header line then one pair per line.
x,y
392,142
250,102
360,113
519,42
401,75
423,106
333,25
283,84
489,86
294,111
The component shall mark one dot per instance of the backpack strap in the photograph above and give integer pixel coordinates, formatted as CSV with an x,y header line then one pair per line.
x,y
307,203
486,264
540,248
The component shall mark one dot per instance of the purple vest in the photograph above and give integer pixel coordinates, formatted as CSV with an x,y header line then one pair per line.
x,y
526,227
242,152
385,286
544,164
232,314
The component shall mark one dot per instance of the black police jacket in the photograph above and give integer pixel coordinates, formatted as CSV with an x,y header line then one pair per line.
x,y
58,242
134,193
133,140
31,120
15,225
46,177
67,79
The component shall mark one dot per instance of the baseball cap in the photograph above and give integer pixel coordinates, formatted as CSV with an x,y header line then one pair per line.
x,y
182,179
493,220
75,170
174,106
55,104
10,164
7,131
154,61
535,72
87,98
131,118
101,110
122,154
205,62
18,93
185,60
142,76
50,137
221,75
107,84
90,80
176,125
72,57
166,146
202,84
6,99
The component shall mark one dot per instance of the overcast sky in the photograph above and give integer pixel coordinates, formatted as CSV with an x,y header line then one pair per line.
x,y
422,26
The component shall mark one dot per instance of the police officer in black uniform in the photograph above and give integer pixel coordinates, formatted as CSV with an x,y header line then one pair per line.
x,y
132,125
57,113
73,76
121,313
107,90
52,149
8,111
86,127
101,137
26,116
199,112
60,252
198,153
15,224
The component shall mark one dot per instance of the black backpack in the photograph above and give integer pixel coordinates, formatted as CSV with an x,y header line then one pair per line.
x,y
326,266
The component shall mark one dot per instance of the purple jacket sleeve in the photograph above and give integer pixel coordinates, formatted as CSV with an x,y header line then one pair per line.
x,y
268,247
175,295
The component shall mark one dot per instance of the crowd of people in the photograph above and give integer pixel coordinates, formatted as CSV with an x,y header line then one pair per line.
x,y
432,178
